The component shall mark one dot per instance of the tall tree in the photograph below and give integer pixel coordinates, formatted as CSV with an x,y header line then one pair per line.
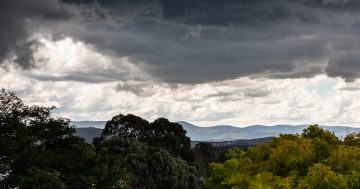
x,y
148,167
38,149
204,154
160,133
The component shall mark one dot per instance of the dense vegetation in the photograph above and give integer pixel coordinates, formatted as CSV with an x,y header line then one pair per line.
x,y
316,159
40,151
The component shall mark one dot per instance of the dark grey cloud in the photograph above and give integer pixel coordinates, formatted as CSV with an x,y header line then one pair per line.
x,y
130,88
256,93
17,18
349,88
142,89
199,41
346,66
184,41
24,51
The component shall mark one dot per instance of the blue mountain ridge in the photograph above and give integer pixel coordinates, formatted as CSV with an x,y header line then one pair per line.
x,y
91,129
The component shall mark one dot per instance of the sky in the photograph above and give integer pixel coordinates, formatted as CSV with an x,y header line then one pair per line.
x,y
208,62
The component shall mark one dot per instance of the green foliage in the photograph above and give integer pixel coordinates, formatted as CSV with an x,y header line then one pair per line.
x,y
41,179
160,133
314,131
170,136
152,154
149,167
353,179
40,151
288,156
344,159
130,125
314,159
352,139
322,177
204,154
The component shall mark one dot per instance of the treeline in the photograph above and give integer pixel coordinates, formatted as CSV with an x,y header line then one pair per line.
x,y
40,151
316,159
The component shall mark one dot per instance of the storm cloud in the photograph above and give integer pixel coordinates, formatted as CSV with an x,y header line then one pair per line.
x,y
18,21
182,41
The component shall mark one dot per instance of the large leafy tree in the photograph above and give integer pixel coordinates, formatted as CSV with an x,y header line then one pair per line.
x,y
160,133
170,136
38,150
155,155
126,125
149,167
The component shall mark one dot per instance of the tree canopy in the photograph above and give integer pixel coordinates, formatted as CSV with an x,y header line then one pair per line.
x,y
160,133
149,167
39,150
314,159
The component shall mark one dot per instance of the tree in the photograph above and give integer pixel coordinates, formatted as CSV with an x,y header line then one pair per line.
x,y
41,179
126,125
352,139
160,133
289,156
170,136
40,150
314,131
204,154
148,167
323,140
314,159
322,177
344,159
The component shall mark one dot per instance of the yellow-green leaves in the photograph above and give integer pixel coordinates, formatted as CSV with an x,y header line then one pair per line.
x,y
316,159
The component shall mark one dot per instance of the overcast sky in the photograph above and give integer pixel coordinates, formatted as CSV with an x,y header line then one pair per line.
x,y
208,62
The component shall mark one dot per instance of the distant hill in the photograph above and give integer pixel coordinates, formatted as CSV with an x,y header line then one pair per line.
x,y
91,129
229,133
96,124
88,129
88,133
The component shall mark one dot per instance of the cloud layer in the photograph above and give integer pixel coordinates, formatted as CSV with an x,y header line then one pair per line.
x,y
206,61
182,41
199,41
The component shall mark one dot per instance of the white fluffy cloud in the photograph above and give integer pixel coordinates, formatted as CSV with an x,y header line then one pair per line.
x,y
122,87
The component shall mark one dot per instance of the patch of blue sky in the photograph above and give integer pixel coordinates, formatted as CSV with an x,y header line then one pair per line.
x,y
323,88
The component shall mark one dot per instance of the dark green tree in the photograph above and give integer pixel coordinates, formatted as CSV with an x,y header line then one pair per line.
x,y
149,167
352,139
323,140
314,131
170,136
126,125
41,179
40,150
160,133
205,153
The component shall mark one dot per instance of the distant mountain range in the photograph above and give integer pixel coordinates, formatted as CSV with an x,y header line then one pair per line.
x,y
91,129
228,133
